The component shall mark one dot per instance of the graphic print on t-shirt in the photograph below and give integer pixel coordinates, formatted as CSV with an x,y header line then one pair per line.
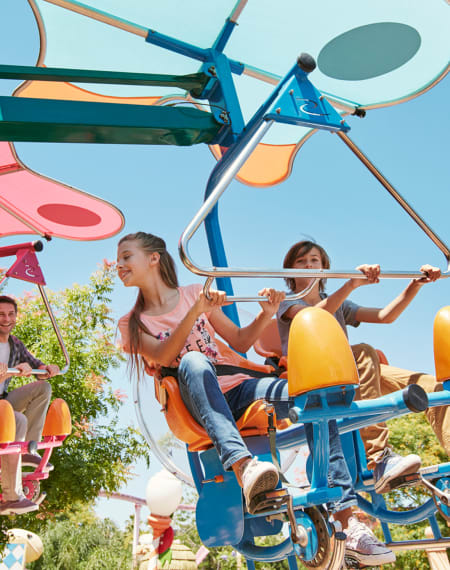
x,y
199,339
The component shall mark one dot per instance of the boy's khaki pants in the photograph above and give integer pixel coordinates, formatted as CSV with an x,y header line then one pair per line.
x,y
379,379
30,403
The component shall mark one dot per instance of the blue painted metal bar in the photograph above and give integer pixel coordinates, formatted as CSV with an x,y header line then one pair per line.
x,y
188,82
416,515
218,257
224,35
227,93
321,453
435,527
266,553
187,50
177,46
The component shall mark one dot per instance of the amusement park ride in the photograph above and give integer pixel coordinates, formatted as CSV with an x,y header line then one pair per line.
x,y
47,107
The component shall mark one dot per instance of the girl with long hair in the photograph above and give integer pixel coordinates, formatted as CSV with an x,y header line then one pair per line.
x,y
174,326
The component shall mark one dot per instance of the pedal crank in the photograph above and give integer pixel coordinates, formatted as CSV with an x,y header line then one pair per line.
x,y
268,501
298,534
441,495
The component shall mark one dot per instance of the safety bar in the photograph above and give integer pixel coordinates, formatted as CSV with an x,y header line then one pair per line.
x,y
37,371
221,177
260,299
9,250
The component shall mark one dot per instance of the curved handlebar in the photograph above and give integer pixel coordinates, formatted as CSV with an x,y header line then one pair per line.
x,y
35,371
311,273
224,172
260,299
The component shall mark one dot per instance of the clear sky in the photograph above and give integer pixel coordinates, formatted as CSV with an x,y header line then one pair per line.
x,y
330,196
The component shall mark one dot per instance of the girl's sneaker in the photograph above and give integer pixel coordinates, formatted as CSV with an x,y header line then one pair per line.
x,y
364,547
257,477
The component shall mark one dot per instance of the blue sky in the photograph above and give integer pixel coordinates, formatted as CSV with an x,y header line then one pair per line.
x,y
329,196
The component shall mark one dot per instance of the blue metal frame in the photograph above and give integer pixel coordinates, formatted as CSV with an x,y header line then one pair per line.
x,y
229,520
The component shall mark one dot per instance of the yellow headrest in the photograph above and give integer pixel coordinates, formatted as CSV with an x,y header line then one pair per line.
x,y
441,334
318,353
7,422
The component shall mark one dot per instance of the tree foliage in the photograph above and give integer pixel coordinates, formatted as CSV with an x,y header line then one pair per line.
x,y
82,541
413,434
99,453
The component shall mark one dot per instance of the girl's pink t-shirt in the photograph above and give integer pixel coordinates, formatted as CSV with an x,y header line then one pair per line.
x,y
201,338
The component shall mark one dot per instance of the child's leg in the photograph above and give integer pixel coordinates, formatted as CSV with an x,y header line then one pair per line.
x,y
203,398
375,437
393,378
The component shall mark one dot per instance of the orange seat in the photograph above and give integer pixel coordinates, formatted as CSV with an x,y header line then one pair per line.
x,y
268,345
254,421
7,422
58,421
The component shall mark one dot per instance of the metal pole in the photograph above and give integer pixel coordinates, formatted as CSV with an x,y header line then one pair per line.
x,y
137,522
393,192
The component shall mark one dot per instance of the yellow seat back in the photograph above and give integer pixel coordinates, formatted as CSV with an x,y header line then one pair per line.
x,y
319,354
58,420
441,337
7,422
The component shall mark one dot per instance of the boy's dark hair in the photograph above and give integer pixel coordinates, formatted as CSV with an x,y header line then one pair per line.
x,y
302,248
10,300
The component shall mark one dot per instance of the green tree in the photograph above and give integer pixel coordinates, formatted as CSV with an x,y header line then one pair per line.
x,y
99,453
413,434
82,541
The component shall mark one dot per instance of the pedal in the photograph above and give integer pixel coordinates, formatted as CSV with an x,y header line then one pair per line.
x,y
268,501
404,481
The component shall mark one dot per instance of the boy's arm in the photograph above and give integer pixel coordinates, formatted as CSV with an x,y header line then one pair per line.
x,y
395,308
335,300
241,339
27,361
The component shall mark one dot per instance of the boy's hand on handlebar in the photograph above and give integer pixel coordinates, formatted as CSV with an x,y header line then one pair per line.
x,y
372,273
24,369
3,371
430,274
52,370
270,307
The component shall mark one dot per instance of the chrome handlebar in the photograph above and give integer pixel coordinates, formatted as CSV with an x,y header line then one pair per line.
x,y
221,177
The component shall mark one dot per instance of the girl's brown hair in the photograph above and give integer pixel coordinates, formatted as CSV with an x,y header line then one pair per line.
x,y
302,248
150,244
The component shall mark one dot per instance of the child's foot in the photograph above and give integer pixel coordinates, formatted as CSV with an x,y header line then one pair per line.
x,y
257,477
17,506
390,465
35,459
364,547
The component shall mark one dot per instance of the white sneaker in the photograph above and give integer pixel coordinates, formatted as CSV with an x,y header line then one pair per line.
x,y
390,465
17,506
362,545
257,477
